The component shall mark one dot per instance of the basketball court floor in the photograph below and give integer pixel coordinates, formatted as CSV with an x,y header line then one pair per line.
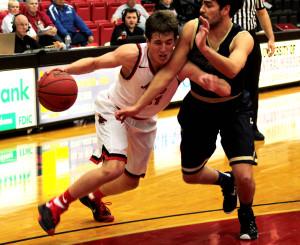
x,y
163,210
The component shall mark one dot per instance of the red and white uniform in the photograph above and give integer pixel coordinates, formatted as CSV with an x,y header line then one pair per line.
x,y
132,141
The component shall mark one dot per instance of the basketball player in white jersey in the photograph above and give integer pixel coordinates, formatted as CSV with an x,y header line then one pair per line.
x,y
125,148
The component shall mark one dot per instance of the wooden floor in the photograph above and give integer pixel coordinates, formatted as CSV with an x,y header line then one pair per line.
x,y
38,166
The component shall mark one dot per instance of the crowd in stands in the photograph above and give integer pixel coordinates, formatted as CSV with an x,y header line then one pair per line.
x,y
94,22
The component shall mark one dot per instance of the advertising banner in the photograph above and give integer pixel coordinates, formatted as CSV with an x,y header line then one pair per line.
x,y
283,67
17,99
89,86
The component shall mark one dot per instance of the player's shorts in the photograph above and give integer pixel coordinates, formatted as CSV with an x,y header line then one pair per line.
x,y
201,122
131,142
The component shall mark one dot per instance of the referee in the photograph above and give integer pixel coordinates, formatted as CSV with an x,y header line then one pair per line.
x,y
246,17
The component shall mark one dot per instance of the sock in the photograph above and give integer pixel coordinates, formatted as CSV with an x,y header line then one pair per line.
x,y
222,178
64,200
245,208
96,194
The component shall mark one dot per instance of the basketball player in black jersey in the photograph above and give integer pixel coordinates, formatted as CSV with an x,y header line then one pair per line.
x,y
218,47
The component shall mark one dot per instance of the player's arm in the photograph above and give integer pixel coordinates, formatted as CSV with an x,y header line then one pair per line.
x,y
165,75
205,80
230,66
125,56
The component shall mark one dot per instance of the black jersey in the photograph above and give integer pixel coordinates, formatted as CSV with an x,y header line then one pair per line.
x,y
195,56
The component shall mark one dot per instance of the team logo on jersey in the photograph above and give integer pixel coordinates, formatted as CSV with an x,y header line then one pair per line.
x,y
101,120
157,98
145,87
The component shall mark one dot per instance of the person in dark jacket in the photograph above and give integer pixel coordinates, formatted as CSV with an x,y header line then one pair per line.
x,y
65,19
128,28
23,42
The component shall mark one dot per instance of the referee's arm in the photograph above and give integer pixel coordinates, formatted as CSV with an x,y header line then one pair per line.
x,y
266,25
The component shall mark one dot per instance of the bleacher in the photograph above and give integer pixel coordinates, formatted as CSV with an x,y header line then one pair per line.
x,y
283,11
95,13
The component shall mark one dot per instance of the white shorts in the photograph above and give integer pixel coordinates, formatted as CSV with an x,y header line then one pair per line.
x,y
131,141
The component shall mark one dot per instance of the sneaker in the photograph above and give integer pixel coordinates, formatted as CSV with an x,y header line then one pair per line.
x,y
100,212
248,225
49,216
258,135
230,195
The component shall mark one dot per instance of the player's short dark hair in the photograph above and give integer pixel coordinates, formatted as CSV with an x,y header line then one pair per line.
x,y
161,21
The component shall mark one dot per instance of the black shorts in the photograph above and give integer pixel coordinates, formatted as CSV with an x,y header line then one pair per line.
x,y
201,122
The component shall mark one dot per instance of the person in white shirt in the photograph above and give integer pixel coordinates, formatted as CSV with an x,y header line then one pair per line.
x,y
13,8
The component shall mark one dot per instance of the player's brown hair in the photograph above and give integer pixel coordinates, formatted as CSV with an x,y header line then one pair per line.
x,y
161,21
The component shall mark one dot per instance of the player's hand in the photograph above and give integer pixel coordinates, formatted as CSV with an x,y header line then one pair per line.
x,y
54,69
215,84
122,114
202,34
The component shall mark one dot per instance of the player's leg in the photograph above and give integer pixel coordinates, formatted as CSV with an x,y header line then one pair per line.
x,y
112,150
245,189
198,143
50,212
122,184
140,139
112,142
238,143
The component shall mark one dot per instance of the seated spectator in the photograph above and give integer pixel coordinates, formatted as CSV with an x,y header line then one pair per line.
x,y
131,4
23,42
66,20
13,8
165,5
130,18
42,24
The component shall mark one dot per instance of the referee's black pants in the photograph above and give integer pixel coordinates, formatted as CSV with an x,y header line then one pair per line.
x,y
252,71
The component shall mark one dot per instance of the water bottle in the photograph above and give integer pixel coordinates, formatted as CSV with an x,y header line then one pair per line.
x,y
68,41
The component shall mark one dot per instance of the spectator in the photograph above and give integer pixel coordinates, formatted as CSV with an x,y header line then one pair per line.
x,y
13,8
131,4
66,20
130,18
20,26
41,23
165,5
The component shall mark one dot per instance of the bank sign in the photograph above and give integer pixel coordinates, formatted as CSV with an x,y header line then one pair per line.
x,y
17,99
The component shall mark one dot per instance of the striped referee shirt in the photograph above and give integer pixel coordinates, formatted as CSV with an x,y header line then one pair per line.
x,y
246,16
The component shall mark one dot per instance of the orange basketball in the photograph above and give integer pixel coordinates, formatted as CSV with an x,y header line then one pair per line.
x,y
57,91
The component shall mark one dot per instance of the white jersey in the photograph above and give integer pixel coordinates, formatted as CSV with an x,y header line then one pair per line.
x,y
133,140
126,91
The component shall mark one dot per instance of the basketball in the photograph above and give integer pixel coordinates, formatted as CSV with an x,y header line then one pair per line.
x,y
57,91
